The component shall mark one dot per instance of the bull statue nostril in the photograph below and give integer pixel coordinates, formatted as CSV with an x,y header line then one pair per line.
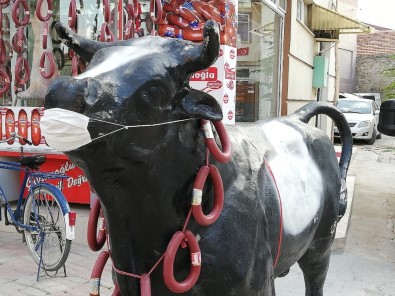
x,y
59,94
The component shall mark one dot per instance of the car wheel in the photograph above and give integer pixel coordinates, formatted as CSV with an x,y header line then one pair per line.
x,y
378,136
373,138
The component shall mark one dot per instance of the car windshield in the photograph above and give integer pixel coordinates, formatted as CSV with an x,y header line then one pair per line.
x,y
351,106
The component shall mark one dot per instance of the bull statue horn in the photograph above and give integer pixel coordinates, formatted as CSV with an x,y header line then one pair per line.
x,y
84,47
206,53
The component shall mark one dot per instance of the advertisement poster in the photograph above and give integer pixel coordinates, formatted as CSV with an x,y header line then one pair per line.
x,y
26,122
219,80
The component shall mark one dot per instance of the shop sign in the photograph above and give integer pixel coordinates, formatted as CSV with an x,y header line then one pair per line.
x,y
210,74
76,187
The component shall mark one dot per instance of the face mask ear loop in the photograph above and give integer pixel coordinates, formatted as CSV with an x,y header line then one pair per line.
x,y
125,127
132,126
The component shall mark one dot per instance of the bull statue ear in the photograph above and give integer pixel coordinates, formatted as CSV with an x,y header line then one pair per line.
x,y
198,104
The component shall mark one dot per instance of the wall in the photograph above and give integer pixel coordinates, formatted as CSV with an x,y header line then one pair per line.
x,y
369,69
374,53
302,51
347,49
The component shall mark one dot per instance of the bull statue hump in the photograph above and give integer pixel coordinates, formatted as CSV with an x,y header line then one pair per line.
x,y
135,128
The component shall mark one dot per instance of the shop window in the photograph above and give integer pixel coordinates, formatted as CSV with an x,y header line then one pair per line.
x,y
26,36
258,76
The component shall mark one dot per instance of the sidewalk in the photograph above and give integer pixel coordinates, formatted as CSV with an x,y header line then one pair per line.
x,y
362,265
366,266
18,271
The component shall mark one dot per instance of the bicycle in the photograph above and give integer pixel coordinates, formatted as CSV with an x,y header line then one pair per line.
x,y
42,215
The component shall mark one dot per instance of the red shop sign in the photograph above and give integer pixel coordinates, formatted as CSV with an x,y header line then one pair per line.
x,y
76,188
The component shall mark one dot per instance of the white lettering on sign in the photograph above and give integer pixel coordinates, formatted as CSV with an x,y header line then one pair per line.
x,y
67,166
76,182
210,74
215,84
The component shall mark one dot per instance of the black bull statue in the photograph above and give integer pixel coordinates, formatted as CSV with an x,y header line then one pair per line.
x,y
284,190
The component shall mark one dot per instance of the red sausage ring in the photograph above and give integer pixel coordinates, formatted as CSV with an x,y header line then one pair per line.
x,y
49,10
158,4
168,263
3,51
47,55
129,29
19,41
133,9
107,11
1,20
15,9
94,282
2,2
72,21
22,63
45,34
212,145
74,65
197,211
96,241
105,33
6,78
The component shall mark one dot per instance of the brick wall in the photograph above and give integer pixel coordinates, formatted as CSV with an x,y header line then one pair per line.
x,y
377,43
374,53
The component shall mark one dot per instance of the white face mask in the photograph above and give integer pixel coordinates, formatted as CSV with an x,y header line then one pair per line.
x,y
65,130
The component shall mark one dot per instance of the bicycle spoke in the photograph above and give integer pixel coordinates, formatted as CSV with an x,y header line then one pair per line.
x,y
49,241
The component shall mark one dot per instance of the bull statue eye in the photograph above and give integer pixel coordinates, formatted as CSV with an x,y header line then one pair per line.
x,y
153,95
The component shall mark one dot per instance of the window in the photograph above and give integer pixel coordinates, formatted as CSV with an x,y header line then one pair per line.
x,y
258,80
243,27
302,13
282,4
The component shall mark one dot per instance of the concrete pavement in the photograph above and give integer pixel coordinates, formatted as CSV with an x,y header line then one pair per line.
x,y
362,265
366,264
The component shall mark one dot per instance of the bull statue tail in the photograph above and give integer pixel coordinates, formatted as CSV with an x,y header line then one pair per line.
x,y
315,108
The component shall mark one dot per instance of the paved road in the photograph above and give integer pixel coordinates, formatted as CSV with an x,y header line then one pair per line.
x,y
365,268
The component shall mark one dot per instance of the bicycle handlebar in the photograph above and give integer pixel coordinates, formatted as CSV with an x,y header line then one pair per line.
x,y
14,135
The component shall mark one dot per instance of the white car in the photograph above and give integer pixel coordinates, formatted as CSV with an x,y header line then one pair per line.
x,y
362,116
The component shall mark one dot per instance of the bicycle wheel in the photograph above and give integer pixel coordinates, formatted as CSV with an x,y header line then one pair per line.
x,y
42,210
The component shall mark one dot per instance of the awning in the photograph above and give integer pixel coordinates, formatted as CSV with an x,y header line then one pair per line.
x,y
325,19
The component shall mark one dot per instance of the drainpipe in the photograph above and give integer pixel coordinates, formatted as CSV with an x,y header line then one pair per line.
x,y
318,98
286,52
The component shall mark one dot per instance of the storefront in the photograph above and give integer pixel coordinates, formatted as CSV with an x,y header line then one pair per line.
x,y
31,57
259,58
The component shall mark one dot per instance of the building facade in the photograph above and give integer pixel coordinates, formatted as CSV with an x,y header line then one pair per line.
x,y
289,53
